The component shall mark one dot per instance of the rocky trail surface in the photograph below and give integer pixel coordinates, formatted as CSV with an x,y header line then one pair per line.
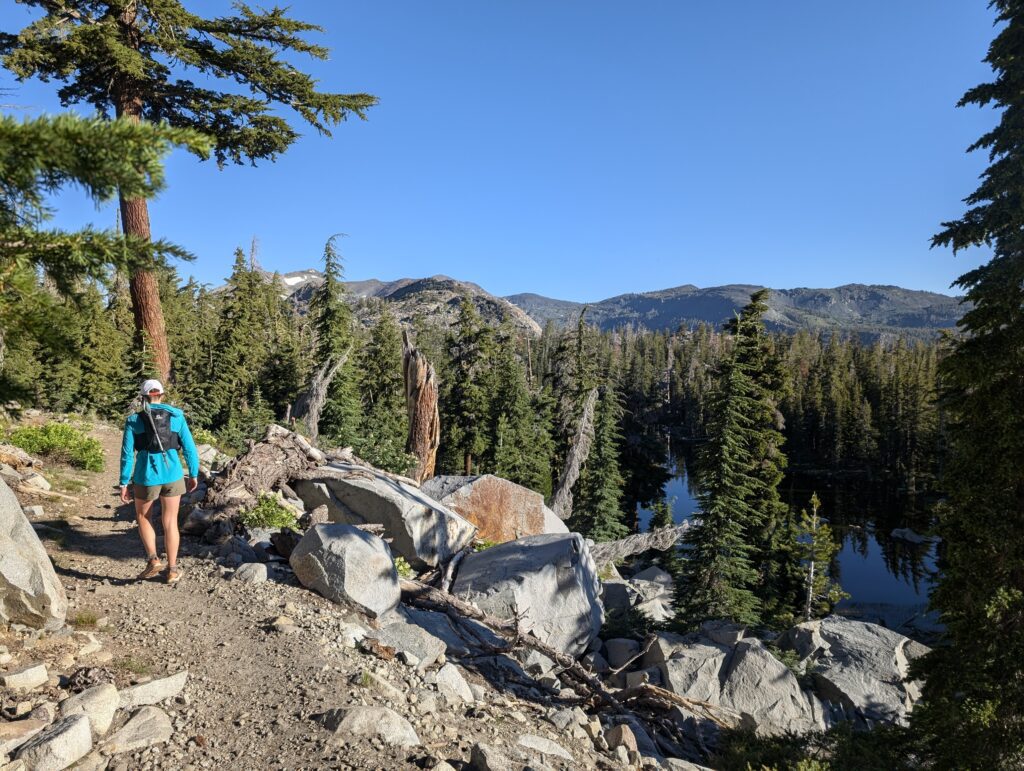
x,y
266,663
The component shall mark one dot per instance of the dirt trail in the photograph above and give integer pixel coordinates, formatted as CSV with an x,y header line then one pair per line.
x,y
252,691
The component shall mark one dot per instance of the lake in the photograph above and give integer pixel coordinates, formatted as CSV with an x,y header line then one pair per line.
x,y
873,567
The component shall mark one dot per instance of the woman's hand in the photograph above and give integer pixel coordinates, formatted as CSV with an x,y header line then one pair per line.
x,y
125,498
191,483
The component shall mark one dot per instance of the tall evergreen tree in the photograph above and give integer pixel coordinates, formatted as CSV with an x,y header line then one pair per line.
x,y
973,710
466,397
718,579
138,59
382,389
597,506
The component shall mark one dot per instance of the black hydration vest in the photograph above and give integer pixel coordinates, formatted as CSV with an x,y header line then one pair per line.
x,y
161,419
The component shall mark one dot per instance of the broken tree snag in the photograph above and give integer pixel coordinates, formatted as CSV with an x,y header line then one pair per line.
x,y
311,402
661,539
561,501
421,405
279,456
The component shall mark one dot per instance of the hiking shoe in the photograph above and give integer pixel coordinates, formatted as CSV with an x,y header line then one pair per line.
x,y
153,568
172,575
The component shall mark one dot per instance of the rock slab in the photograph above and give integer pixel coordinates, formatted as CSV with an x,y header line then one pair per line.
x,y
148,726
60,745
98,704
381,722
152,692
548,581
30,592
349,566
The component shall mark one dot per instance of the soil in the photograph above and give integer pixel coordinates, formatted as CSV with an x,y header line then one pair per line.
x,y
253,692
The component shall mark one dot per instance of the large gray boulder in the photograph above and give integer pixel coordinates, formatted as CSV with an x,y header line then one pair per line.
x,y
859,667
349,566
426,533
548,581
502,510
30,593
743,677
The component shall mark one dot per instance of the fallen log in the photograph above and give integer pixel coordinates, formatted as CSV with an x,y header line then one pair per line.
x,y
661,539
29,490
279,456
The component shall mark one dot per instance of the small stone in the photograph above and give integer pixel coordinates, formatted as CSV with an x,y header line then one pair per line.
x,y
22,708
621,736
251,573
622,755
47,712
452,684
284,625
26,678
380,722
543,746
486,757
593,728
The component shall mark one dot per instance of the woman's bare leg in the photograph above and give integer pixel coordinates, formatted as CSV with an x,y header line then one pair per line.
x,y
169,519
146,532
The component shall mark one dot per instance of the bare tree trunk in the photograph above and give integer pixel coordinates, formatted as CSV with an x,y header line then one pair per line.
x,y
311,402
421,405
561,500
662,539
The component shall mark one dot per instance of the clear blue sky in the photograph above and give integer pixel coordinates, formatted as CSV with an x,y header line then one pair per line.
x,y
585,148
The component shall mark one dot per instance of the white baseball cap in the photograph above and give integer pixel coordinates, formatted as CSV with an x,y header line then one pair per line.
x,y
150,385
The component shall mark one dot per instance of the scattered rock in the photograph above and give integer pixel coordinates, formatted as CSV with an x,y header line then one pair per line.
x,y
543,746
620,736
619,650
148,726
452,684
363,722
38,481
98,704
486,757
30,592
60,745
548,581
404,636
251,573
25,678
423,531
153,692
348,565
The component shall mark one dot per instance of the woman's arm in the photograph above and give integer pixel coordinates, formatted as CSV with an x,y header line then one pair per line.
x,y
188,446
127,451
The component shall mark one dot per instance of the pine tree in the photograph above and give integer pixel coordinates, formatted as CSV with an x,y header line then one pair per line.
x,y
382,389
332,321
718,579
670,560
597,508
466,397
972,715
814,539
125,58
106,384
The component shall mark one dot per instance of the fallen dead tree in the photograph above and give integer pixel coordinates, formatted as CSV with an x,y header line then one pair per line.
x,y
279,456
646,701
661,539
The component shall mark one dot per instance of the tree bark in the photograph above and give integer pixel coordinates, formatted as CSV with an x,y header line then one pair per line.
x,y
311,402
421,406
145,290
662,539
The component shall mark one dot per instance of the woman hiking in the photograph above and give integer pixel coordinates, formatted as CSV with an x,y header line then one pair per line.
x,y
157,432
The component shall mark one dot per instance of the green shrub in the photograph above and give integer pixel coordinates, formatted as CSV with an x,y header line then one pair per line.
x,y
269,512
403,567
204,436
61,442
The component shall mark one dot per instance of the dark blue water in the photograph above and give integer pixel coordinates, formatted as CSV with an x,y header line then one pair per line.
x,y
872,566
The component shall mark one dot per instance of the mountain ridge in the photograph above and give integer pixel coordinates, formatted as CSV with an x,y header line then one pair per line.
x,y
868,310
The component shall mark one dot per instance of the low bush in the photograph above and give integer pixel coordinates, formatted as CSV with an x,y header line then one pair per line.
x,y
269,512
61,442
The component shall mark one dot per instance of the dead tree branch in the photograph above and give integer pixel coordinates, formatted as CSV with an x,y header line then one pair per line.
x,y
311,402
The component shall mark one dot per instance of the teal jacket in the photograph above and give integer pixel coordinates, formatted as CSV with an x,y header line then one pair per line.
x,y
157,468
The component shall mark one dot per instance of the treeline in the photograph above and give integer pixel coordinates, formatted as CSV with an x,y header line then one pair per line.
x,y
509,405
